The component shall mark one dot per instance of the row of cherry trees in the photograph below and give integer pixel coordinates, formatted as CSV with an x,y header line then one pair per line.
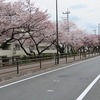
x,y
21,22
77,39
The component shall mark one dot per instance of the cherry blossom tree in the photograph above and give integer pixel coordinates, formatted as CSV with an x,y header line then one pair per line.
x,y
36,29
66,36
12,18
77,39
6,27
23,23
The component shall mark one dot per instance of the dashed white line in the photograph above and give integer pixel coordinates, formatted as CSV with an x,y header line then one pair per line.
x,y
88,88
56,80
50,91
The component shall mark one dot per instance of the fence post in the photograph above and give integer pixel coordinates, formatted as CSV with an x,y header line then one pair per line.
x,y
66,57
74,57
40,63
17,66
89,54
55,60
85,55
92,53
80,55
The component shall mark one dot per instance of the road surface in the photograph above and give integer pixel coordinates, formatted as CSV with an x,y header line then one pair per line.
x,y
78,81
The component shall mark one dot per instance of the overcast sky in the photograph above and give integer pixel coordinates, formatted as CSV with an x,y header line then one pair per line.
x,y
85,13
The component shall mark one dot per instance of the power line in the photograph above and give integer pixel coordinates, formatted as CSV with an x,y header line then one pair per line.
x,y
50,4
45,3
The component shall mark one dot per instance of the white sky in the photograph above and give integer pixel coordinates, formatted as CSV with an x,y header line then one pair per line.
x,y
85,13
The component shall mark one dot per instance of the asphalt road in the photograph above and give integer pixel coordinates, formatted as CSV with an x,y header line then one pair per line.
x,y
74,82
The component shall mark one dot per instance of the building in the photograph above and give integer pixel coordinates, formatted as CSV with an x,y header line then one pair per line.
x,y
15,50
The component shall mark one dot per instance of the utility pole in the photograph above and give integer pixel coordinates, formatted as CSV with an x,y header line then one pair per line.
x,y
57,31
68,12
99,35
94,31
99,29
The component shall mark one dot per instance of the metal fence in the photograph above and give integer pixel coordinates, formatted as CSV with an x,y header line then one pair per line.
x,y
20,64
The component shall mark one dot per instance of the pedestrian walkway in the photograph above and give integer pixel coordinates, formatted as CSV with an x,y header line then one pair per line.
x,y
10,72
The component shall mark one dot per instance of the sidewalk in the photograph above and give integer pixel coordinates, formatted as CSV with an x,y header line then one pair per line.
x,y
11,72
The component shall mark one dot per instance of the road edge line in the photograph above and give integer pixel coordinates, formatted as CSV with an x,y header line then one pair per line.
x,y
83,94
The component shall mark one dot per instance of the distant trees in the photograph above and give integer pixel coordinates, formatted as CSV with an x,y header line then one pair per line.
x,y
77,40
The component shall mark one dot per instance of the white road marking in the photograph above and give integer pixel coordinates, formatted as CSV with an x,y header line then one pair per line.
x,y
45,73
50,91
88,88
55,80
